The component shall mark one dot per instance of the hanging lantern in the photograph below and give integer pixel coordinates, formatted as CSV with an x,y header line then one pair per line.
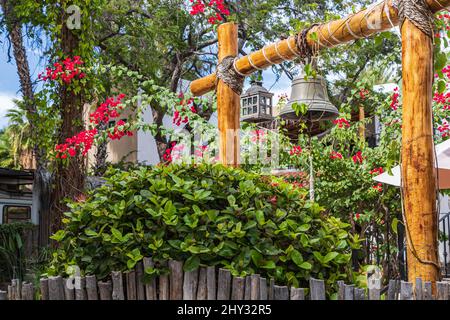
x,y
256,103
313,93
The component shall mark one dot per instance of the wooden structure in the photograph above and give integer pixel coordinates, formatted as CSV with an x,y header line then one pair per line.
x,y
210,283
417,57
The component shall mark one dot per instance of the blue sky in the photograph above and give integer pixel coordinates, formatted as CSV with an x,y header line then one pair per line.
x,y
9,80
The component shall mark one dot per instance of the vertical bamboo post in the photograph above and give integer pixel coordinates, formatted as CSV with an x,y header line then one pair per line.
x,y
228,102
418,171
362,126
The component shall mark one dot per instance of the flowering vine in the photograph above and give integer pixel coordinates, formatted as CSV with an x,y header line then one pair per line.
x,y
394,101
341,123
83,141
357,158
214,10
335,155
66,71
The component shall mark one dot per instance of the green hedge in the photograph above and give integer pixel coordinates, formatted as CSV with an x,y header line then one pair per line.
x,y
204,215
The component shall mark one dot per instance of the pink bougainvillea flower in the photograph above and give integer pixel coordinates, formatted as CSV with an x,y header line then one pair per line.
x,y
341,123
335,155
295,151
376,171
357,158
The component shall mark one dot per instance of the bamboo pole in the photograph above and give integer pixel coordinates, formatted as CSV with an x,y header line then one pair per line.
x,y
375,19
418,170
228,102
362,126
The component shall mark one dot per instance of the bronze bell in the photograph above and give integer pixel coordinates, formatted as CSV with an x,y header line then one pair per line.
x,y
313,93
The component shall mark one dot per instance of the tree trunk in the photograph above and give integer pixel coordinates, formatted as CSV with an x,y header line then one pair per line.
x,y
161,141
69,178
101,154
42,178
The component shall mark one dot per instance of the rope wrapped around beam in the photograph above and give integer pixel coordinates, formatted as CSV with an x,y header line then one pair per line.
x,y
228,74
418,12
301,42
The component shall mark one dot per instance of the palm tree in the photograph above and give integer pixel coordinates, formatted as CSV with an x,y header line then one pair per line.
x,y
6,157
19,131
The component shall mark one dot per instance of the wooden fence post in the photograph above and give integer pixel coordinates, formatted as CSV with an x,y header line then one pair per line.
x,y
176,279
117,286
150,288
418,161
105,290
317,288
228,102
91,287
224,284
55,288
44,288
211,292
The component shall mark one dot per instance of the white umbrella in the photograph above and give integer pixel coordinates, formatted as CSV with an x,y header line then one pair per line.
x,y
443,166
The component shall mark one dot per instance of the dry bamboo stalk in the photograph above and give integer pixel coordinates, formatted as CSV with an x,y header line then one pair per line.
x,y
362,126
363,24
418,170
228,102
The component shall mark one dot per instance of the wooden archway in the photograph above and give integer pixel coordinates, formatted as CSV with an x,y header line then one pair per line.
x,y
418,170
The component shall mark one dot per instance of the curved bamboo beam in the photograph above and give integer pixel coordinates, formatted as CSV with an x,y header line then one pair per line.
x,y
375,19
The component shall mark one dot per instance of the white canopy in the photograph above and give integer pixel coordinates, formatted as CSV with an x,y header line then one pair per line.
x,y
443,166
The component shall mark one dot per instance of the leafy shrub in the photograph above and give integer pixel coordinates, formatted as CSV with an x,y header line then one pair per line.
x,y
13,260
203,215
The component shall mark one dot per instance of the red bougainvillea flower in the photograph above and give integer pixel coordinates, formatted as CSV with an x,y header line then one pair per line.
x,y
119,131
378,187
335,155
180,115
394,99
444,129
357,216
200,151
341,123
257,136
376,171
363,93
357,158
83,141
295,151
109,109
66,71
214,10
